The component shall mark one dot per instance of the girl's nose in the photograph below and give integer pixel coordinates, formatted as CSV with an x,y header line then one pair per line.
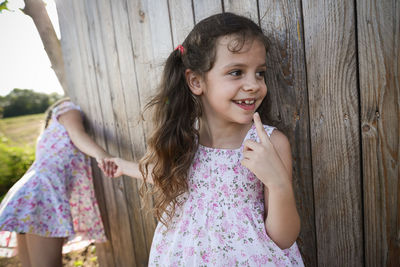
x,y
251,84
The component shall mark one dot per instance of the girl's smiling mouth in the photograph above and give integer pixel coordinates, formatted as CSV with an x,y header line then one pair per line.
x,y
246,104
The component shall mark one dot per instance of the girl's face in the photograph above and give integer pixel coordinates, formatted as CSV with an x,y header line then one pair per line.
x,y
234,88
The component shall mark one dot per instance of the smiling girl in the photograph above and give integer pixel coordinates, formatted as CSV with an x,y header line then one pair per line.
x,y
222,180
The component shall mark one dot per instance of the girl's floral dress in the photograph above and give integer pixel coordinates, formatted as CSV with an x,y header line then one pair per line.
x,y
221,219
55,197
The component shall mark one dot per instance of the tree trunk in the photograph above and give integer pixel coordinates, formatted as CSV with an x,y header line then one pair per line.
x,y
37,11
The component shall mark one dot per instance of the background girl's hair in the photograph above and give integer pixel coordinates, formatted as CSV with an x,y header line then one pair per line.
x,y
173,142
49,111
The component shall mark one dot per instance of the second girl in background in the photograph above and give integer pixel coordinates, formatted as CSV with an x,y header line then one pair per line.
x,y
54,201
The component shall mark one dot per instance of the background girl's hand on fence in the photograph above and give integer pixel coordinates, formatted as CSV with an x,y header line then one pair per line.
x,y
100,157
115,167
111,167
262,159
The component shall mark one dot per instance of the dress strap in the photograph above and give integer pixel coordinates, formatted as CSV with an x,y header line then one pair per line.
x,y
269,129
252,134
62,108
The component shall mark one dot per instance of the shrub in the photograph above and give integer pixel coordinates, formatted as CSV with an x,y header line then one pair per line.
x,y
14,162
24,101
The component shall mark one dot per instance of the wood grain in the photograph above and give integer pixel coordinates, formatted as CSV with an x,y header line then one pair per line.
x,y
94,119
205,8
330,48
131,145
379,58
247,8
182,19
80,75
340,112
107,75
287,106
151,40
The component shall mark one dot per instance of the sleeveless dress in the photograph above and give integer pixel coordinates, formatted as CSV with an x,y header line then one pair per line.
x,y
220,221
55,197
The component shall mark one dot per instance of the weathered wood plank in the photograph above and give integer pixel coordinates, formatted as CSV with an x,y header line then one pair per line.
x,y
247,8
114,49
287,106
329,30
379,57
106,67
80,76
133,145
182,19
104,251
68,43
206,8
151,42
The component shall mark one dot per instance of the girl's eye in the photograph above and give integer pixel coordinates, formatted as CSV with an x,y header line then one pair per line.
x,y
261,74
235,73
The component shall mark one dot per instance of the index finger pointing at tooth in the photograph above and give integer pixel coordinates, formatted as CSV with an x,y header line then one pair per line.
x,y
260,128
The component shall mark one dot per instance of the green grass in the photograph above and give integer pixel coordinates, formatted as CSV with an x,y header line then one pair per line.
x,y
17,147
21,131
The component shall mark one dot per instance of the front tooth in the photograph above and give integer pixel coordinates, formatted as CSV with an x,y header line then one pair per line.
x,y
247,102
252,101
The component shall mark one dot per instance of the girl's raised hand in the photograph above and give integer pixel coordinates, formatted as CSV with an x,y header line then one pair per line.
x,y
111,167
262,159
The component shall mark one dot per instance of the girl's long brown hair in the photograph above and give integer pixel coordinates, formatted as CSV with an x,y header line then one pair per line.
x,y
173,142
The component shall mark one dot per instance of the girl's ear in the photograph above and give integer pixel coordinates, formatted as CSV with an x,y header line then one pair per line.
x,y
194,82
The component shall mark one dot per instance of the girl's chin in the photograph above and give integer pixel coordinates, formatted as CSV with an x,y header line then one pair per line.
x,y
246,120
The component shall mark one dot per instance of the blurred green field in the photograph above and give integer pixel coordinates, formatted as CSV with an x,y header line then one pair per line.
x,y
17,147
21,131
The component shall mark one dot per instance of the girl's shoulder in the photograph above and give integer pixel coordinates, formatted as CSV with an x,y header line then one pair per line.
x,y
252,134
277,138
269,129
64,107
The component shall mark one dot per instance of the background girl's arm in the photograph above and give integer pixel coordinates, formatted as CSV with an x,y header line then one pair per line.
x,y
115,167
72,122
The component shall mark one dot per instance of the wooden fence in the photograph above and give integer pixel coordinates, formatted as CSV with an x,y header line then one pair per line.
x,y
333,79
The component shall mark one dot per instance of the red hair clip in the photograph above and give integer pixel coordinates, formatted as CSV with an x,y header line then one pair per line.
x,y
180,48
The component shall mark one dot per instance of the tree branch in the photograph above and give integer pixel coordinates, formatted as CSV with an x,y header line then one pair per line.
x,y
37,11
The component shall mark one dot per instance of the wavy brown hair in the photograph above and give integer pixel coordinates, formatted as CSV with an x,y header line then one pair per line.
x,y
173,142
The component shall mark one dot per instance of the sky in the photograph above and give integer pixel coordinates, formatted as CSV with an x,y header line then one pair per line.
x,y
23,61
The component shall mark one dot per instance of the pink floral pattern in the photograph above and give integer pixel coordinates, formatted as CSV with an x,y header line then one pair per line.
x,y
220,221
55,197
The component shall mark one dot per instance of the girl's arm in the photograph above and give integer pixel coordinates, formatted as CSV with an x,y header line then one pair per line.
x,y
72,122
282,221
270,160
115,167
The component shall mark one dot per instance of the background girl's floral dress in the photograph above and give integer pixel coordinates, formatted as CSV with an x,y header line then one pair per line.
x,y
221,220
55,197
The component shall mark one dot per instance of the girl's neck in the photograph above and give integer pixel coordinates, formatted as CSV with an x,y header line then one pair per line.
x,y
227,136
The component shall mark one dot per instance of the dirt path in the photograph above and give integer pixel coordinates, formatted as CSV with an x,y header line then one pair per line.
x,y
85,257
